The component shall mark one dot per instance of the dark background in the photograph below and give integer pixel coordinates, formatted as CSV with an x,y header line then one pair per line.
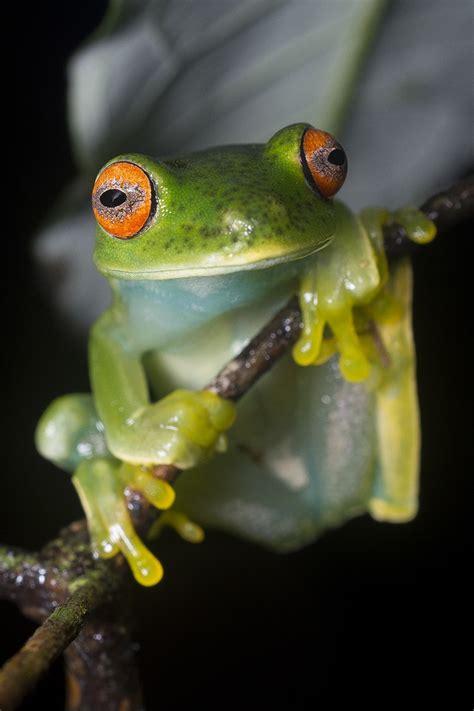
x,y
371,614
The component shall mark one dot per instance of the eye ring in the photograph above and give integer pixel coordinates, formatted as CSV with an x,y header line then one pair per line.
x,y
324,162
124,199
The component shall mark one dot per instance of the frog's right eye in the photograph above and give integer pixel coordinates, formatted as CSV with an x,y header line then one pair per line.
x,y
123,199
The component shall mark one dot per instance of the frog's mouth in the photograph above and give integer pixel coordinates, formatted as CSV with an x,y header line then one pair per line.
x,y
217,264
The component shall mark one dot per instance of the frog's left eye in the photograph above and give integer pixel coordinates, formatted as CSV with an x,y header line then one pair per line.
x,y
324,162
123,199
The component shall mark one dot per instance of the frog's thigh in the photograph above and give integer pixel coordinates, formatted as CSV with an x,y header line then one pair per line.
x,y
70,430
398,430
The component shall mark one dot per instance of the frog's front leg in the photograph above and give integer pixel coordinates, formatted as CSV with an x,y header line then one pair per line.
x,y
183,428
344,275
349,289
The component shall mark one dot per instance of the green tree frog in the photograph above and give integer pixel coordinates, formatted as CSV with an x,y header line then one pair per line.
x,y
200,252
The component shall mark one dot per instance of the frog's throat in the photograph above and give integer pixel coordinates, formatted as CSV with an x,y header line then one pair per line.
x,y
217,264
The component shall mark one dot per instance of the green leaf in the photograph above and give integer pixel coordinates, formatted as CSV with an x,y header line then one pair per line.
x,y
173,77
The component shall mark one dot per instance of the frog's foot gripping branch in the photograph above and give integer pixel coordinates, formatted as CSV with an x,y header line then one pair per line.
x,y
351,304
100,483
347,288
71,434
184,428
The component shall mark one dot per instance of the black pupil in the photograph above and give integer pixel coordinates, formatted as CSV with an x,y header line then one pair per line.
x,y
113,198
337,156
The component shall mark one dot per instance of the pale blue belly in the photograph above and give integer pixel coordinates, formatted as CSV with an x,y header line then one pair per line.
x,y
189,328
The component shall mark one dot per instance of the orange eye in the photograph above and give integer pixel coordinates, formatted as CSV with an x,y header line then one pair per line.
x,y
123,199
324,162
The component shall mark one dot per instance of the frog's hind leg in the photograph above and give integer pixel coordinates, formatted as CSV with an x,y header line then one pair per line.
x,y
395,492
70,430
71,435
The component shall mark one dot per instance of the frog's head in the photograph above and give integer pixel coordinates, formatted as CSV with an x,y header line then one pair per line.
x,y
219,210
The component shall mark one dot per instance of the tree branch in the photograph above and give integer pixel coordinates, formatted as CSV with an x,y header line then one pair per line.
x,y
23,670
66,574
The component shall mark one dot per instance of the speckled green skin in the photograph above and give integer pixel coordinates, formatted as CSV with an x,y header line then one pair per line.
x,y
237,230
223,209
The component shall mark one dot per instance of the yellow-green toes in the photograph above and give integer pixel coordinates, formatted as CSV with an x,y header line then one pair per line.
x,y
187,529
100,483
